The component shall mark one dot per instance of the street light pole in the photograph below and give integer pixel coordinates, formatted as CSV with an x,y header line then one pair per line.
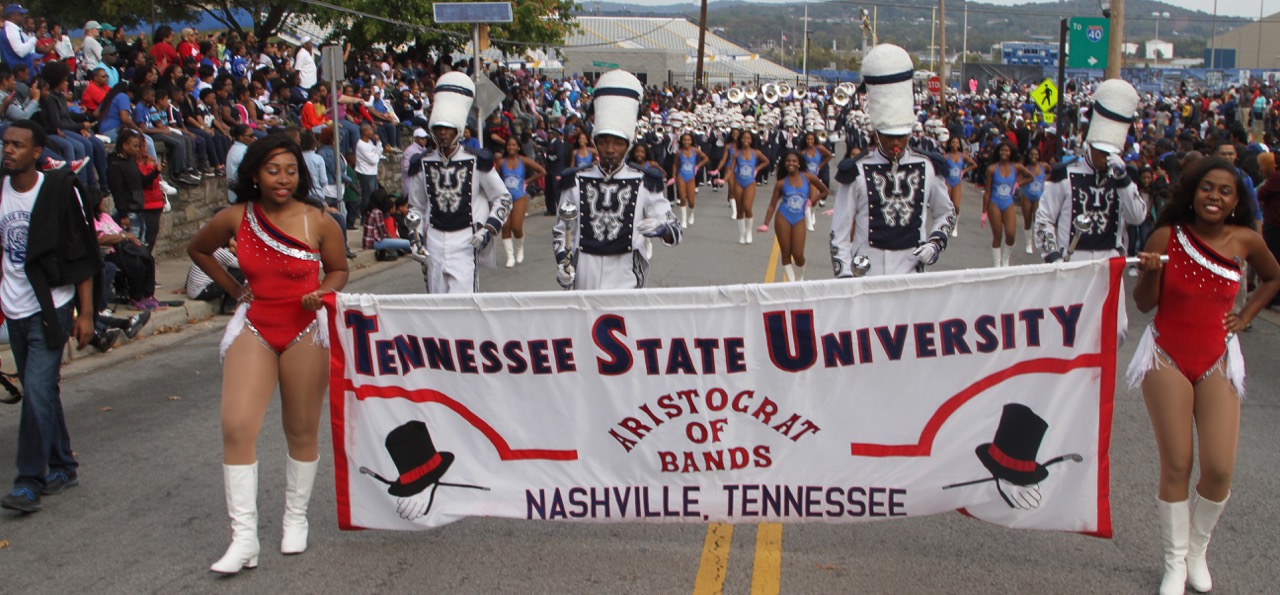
x,y
702,45
804,62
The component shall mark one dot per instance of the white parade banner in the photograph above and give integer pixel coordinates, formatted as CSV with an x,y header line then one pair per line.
x,y
985,391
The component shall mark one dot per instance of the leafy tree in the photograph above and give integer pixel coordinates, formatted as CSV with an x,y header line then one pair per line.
x,y
534,21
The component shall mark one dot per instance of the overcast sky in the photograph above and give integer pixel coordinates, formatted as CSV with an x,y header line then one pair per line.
x,y
1237,8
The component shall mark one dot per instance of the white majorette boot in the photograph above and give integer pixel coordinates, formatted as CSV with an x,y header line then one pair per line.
x,y
751,231
509,248
742,231
1174,535
1204,517
648,248
955,229
241,483
1005,253
1028,232
299,477
519,250
691,210
788,273
733,209
684,217
995,257
799,272
809,219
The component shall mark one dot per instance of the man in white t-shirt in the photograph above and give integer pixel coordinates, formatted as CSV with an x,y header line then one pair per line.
x,y
49,259
305,64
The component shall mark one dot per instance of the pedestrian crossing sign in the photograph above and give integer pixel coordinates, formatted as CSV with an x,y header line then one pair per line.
x,y
1046,95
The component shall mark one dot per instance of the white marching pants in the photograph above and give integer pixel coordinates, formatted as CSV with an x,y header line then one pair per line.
x,y
451,264
620,271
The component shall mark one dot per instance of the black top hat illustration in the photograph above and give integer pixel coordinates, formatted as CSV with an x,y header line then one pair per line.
x,y
416,458
1012,455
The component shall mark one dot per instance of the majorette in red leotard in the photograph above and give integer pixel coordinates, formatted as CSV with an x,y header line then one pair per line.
x,y
1197,290
280,270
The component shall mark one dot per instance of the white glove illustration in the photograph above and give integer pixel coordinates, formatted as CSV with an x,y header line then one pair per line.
x,y
411,508
1019,497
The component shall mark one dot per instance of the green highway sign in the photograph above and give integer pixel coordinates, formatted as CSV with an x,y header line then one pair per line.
x,y
599,64
1087,42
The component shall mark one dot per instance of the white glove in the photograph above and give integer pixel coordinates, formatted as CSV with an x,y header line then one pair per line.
x,y
413,507
481,238
1019,497
928,253
652,227
1116,168
565,274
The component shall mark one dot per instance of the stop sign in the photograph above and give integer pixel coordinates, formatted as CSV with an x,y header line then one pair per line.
x,y
935,85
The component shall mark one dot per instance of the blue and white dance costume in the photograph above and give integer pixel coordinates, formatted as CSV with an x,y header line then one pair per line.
x,y
955,171
744,169
513,179
582,160
794,201
688,166
1002,187
1035,189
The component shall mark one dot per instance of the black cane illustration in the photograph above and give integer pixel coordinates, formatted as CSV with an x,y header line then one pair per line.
x,y
1075,458
370,473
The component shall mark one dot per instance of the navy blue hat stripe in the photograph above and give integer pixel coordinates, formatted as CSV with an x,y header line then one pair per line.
x,y
1102,110
888,79
618,91
460,90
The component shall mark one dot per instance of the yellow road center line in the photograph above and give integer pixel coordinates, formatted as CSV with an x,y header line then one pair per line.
x,y
771,271
766,574
715,560
767,569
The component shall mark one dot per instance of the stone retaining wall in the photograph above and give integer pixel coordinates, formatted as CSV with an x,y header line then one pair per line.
x,y
193,206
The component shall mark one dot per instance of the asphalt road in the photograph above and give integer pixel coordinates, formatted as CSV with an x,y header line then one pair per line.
x,y
149,514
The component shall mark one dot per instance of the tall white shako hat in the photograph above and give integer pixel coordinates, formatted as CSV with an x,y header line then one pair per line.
x,y
617,103
1115,108
887,71
454,96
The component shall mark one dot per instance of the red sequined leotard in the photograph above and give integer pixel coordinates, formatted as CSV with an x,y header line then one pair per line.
x,y
280,270
1197,290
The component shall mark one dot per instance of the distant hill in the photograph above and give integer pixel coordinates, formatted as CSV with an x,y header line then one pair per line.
x,y
906,23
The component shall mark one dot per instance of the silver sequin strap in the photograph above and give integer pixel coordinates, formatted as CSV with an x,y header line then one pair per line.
x,y
269,240
1194,252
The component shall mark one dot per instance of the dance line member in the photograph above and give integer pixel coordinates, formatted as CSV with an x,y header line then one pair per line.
x,y
748,162
1003,177
684,173
1189,362
517,171
959,164
797,190
1031,192
278,336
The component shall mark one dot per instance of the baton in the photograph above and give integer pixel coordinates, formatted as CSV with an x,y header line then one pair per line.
x,y
1081,224
370,473
1075,458
861,264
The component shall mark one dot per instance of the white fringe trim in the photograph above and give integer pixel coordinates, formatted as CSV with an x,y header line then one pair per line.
x,y
1144,359
321,335
1235,366
234,328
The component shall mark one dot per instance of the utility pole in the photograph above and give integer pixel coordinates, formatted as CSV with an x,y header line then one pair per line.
x,y
702,45
942,50
804,38
933,39
1115,53
1213,38
964,52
